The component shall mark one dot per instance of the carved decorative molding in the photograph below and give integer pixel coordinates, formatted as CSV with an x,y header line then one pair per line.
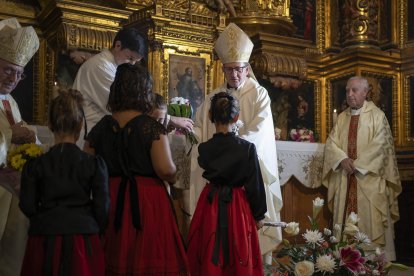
x,y
360,22
271,65
74,37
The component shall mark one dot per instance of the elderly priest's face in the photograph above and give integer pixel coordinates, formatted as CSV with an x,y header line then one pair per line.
x,y
356,93
10,75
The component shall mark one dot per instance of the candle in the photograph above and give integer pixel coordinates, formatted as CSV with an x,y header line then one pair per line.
x,y
334,117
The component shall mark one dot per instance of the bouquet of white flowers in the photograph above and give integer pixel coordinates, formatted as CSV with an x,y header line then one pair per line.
x,y
181,107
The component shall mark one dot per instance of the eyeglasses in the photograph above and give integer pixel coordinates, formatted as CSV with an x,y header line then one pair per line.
x,y
231,69
10,72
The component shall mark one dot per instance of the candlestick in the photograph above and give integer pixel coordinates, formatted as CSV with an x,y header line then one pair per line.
x,y
334,117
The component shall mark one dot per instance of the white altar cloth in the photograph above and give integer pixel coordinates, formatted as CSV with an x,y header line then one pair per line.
x,y
302,160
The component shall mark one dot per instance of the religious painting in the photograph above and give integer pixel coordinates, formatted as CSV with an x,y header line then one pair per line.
x,y
293,109
380,92
303,14
187,79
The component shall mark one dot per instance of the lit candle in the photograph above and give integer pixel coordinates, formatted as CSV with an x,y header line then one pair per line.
x,y
334,117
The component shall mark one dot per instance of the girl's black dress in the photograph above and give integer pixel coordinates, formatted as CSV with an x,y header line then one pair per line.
x,y
64,193
142,237
223,239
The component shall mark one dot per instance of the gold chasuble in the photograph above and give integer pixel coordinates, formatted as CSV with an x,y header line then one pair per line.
x,y
373,189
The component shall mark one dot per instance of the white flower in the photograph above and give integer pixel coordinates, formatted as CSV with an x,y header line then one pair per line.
x,y
351,229
292,228
317,206
179,100
362,238
337,227
376,272
378,251
333,239
325,263
235,127
352,218
318,202
304,268
313,237
327,232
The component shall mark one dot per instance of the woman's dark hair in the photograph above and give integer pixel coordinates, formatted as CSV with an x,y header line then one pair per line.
x,y
131,89
224,108
66,112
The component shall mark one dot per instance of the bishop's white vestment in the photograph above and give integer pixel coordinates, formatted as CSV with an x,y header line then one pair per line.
x,y
13,223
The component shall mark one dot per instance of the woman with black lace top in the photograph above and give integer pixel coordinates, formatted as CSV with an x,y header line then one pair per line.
x,y
142,237
223,237
64,193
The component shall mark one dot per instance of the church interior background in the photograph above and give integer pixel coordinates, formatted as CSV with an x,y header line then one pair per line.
x,y
304,52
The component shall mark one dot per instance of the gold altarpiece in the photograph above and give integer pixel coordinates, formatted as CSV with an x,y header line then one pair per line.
x,y
317,47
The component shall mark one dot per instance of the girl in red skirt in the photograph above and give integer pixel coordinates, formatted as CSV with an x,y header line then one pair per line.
x,y
142,237
223,236
64,193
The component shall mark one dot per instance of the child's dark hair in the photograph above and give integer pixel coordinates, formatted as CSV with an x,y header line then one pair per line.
x,y
131,89
224,108
131,39
66,112
159,101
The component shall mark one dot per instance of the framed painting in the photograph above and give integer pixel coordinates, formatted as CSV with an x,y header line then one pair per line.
x,y
187,79
410,18
293,109
303,13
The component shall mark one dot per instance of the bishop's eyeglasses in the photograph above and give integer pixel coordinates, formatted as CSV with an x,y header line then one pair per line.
x,y
10,72
238,69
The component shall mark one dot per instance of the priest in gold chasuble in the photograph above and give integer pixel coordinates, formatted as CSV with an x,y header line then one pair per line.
x,y
360,168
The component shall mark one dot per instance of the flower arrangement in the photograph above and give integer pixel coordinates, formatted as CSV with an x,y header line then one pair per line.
x,y
330,252
302,135
17,157
180,107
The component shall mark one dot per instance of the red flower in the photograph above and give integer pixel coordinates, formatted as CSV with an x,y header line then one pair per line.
x,y
351,259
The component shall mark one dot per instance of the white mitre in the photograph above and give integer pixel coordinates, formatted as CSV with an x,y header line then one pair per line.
x,y
233,45
17,44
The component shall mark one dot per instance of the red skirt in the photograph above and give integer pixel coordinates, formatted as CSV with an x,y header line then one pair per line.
x,y
87,257
156,249
244,250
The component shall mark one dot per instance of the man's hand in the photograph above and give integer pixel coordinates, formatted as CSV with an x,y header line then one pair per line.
x,y
348,165
22,135
180,122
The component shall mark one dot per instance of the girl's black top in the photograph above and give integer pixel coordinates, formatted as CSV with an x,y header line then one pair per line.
x,y
65,191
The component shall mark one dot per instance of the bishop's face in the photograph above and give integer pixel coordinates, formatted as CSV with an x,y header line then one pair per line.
x,y
236,73
10,75
356,93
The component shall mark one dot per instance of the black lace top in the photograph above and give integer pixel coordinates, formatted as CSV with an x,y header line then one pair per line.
x,y
126,150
